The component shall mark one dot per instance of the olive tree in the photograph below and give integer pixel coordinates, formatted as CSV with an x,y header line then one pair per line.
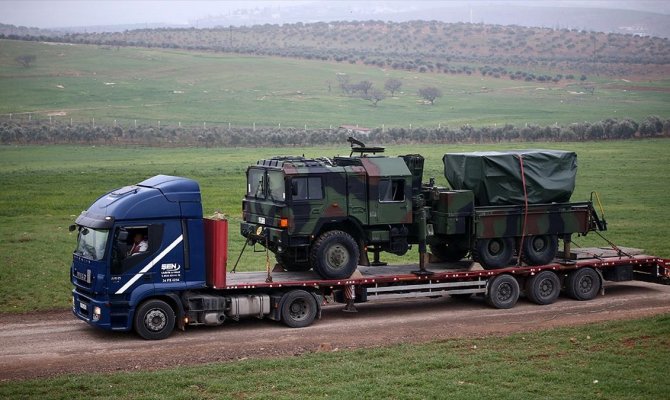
x,y
430,93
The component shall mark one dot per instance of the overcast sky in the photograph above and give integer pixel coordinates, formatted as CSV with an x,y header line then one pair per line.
x,y
56,13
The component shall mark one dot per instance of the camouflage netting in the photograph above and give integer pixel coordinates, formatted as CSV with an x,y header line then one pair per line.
x,y
495,177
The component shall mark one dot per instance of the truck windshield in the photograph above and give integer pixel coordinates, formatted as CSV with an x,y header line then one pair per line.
x,y
256,183
92,243
276,186
262,184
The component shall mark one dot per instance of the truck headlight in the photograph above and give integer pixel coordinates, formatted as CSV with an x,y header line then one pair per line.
x,y
96,313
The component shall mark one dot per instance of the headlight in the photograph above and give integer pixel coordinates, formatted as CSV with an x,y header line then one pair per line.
x,y
96,313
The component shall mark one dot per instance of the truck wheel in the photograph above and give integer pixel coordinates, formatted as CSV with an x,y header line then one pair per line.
x,y
287,261
494,253
335,255
543,288
503,291
298,309
539,249
154,320
583,284
448,252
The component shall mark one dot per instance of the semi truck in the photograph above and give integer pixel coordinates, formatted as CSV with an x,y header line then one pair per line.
x,y
180,277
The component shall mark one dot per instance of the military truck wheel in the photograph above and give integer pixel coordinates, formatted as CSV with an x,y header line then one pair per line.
x,y
583,284
154,320
335,255
287,261
298,309
543,288
448,252
539,249
494,253
503,291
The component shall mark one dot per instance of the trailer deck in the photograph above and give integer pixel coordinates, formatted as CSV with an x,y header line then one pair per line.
x,y
445,272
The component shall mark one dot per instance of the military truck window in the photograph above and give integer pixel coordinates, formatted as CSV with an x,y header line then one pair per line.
x,y
134,244
306,188
391,190
276,186
256,183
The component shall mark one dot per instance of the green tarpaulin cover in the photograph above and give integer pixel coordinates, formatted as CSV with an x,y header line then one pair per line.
x,y
495,177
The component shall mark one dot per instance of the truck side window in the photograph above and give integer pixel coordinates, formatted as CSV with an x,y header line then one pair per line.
x,y
134,244
391,190
306,188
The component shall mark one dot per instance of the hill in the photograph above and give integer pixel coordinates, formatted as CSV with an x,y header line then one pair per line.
x,y
105,85
414,45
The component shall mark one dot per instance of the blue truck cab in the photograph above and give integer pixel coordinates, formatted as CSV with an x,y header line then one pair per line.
x,y
139,246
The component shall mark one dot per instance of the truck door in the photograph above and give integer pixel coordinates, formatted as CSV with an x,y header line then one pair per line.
x,y
146,254
307,203
357,195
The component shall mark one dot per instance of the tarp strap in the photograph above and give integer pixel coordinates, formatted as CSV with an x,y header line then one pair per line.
x,y
525,210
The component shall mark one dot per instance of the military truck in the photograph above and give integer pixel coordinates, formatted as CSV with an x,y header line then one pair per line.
x,y
327,214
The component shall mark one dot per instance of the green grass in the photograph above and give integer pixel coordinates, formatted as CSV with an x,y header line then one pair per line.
x,y
44,188
615,360
267,91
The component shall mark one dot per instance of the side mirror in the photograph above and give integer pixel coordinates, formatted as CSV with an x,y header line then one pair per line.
x,y
72,228
123,236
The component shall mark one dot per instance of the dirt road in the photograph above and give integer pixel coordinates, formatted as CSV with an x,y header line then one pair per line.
x,y
39,345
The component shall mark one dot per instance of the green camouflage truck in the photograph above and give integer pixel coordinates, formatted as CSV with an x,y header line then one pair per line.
x,y
327,214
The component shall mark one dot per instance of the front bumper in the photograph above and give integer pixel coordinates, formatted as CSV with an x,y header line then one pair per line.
x,y
99,313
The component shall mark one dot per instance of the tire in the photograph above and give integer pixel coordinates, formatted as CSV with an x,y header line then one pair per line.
x,y
287,261
448,252
494,253
543,288
503,292
335,255
154,320
539,249
583,284
298,309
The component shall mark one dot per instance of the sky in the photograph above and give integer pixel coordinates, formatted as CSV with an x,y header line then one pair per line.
x,y
58,13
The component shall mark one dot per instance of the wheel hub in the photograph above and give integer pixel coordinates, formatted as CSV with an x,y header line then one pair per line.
x,y
337,256
155,320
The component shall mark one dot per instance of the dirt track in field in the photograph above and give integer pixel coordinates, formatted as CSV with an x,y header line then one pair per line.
x,y
55,343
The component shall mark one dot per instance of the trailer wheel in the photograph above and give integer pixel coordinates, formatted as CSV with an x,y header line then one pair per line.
x,y
335,255
583,284
298,309
154,320
543,288
539,249
494,253
503,291
287,261
448,251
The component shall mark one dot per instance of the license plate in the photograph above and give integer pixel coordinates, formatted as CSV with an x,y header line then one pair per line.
x,y
83,306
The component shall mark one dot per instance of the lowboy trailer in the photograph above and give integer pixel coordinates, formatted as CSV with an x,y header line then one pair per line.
x,y
181,277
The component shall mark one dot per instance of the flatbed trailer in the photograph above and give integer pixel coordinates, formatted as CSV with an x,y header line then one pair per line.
x,y
466,278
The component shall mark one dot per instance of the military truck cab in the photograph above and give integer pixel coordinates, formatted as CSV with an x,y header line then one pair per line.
x,y
324,213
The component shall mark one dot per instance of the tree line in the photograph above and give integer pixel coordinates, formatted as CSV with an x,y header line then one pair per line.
x,y
42,132
420,46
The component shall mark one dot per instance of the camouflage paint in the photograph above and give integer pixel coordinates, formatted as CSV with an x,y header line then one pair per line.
x,y
350,201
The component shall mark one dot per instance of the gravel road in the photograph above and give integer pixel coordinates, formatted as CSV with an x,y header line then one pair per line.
x,y
54,343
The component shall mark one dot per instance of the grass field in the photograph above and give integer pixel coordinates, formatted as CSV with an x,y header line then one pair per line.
x,y
44,188
151,85
615,360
